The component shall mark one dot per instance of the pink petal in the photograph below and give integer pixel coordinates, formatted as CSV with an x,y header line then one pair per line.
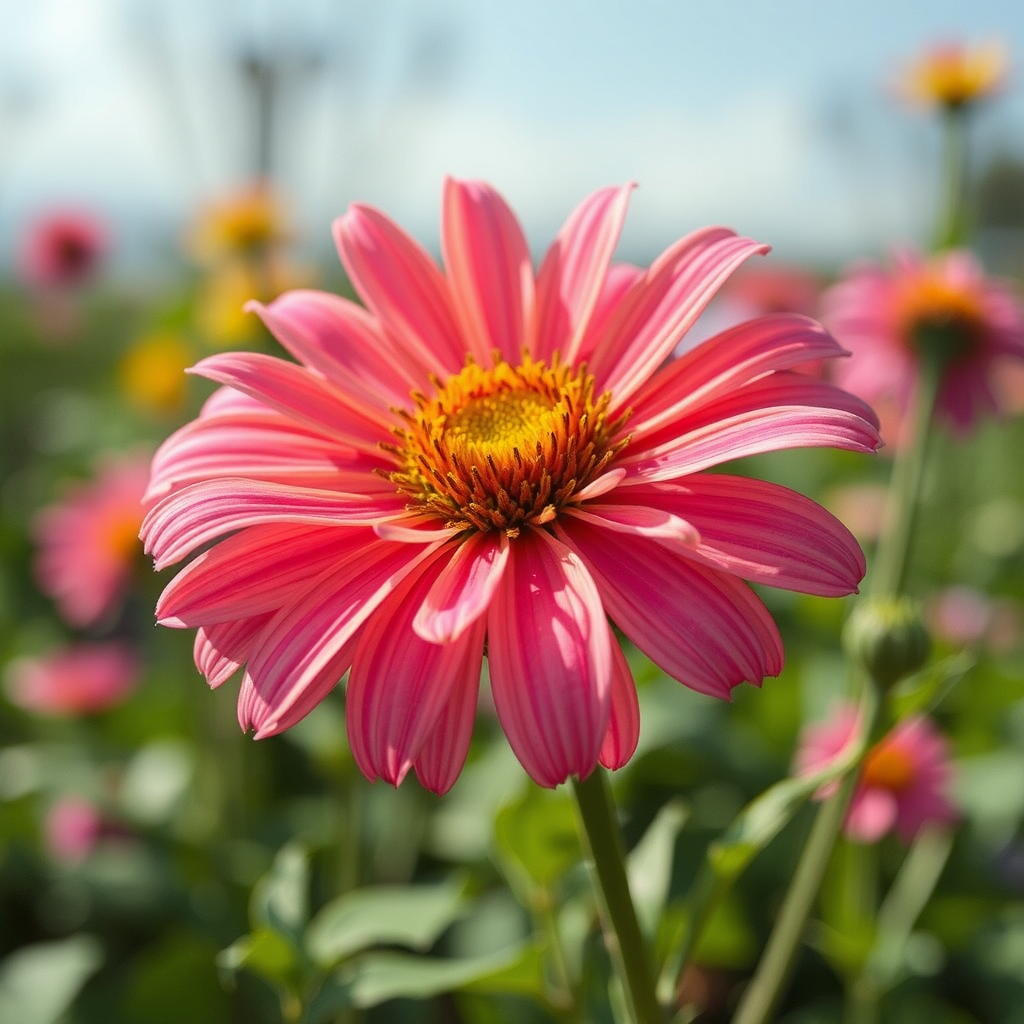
x,y
782,410
463,591
871,815
402,286
727,361
639,520
619,281
310,644
341,341
702,627
299,394
222,648
199,513
549,651
254,571
400,685
624,721
762,532
572,276
488,265
658,311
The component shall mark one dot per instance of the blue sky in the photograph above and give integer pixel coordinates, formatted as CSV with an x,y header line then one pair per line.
x,y
772,117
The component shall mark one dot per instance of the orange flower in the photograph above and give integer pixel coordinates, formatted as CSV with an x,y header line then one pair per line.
x,y
951,75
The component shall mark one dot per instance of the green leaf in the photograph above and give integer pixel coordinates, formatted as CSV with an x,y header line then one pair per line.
x,y
265,952
650,863
537,836
280,898
39,983
413,916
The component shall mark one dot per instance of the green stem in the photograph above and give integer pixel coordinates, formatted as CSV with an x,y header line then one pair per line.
x,y
953,216
626,944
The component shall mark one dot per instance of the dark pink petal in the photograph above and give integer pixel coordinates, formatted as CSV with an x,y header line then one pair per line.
x,y
197,514
344,343
725,362
781,410
624,721
444,753
488,265
571,278
761,531
221,649
549,651
254,571
463,591
310,644
661,308
704,628
299,394
400,686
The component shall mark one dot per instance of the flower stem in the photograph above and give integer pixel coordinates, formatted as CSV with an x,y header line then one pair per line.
x,y
953,217
626,944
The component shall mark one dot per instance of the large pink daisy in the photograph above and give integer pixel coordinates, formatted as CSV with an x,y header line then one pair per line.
x,y
486,459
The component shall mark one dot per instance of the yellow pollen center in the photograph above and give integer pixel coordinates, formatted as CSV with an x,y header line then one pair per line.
x,y
889,767
500,448
940,318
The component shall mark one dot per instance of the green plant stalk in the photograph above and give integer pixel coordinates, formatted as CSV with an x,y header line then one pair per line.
x,y
953,219
627,946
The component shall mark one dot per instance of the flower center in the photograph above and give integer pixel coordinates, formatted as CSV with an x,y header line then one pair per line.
x,y
941,321
498,448
888,767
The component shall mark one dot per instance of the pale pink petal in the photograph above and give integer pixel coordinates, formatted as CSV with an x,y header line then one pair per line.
x,y
724,362
782,410
760,531
414,528
572,276
222,648
640,520
444,752
871,815
463,591
619,281
402,286
624,721
549,651
254,571
310,644
400,686
704,628
299,394
344,343
661,308
197,514
488,265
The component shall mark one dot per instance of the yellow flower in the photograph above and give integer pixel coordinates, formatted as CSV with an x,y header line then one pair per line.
x,y
243,224
951,75
152,372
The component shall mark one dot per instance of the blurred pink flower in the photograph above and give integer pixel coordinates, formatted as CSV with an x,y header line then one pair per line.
x,y
903,781
954,75
62,249
893,318
76,680
450,470
962,615
71,829
87,544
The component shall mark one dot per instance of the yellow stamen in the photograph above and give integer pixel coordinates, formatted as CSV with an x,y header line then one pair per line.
x,y
887,766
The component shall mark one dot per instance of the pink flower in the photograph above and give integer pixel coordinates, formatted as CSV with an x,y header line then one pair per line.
x,y
942,307
953,75
88,542
489,459
72,828
77,680
903,781
62,249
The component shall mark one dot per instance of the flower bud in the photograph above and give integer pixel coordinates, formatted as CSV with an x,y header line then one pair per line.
x,y
888,637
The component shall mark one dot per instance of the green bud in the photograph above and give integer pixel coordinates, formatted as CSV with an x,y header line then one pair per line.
x,y
888,637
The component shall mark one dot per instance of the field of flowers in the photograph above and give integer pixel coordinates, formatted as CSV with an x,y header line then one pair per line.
x,y
479,557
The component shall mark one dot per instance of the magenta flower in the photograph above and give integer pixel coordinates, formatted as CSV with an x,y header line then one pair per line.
x,y
892,319
903,780
87,544
71,829
491,460
77,680
62,249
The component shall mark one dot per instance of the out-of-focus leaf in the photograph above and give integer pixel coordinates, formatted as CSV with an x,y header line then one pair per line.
x,y
990,789
537,836
39,983
413,916
265,952
280,898
157,780
927,688
650,863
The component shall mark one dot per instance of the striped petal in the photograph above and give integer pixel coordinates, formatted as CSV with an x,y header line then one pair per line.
x,y
624,719
222,648
549,651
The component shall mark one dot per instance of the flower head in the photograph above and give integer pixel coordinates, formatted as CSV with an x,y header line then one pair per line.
x,y
491,459
87,543
893,319
151,372
62,249
241,224
953,75
903,779
81,679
